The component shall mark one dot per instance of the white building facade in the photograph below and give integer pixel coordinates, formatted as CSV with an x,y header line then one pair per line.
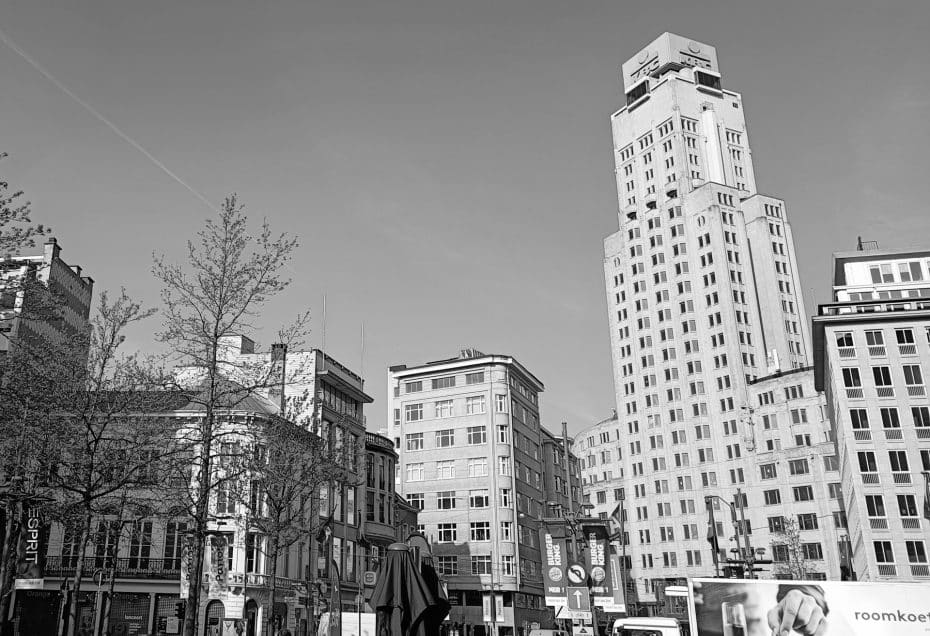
x,y
706,314
872,351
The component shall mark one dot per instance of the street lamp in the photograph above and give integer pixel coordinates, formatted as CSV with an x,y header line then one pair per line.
x,y
749,555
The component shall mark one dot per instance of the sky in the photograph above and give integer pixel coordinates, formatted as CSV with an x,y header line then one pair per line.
x,y
447,166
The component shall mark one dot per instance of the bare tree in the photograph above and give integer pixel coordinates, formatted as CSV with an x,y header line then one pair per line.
x,y
229,275
796,565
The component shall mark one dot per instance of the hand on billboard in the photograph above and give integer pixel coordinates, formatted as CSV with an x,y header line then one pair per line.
x,y
800,612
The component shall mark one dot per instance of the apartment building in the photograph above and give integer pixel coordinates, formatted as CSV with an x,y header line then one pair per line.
x,y
872,354
21,318
472,457
704,304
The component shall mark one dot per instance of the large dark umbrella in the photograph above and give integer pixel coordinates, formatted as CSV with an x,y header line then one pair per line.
x,y
407,603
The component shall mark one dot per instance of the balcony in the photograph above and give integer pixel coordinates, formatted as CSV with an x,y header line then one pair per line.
x,y
126,568
887,569
901,478
910,523
878,523
877,351
862,435
907,349
854,393
923,432
920,569
870,478
884,391
917,391
893,433
847,352
379,441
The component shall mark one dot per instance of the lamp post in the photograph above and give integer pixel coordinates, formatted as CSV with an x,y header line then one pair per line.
x,y
748,558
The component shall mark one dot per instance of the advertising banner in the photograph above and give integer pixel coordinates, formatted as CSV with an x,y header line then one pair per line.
x,y
553,567
601,581
749,607
31,551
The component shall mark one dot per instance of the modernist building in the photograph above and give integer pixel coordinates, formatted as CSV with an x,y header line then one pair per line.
x,y
20,318
704,304
872,354
472,459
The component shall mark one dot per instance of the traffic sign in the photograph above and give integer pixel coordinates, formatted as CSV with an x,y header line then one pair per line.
x,y
582,630
576,574
579,599
576,615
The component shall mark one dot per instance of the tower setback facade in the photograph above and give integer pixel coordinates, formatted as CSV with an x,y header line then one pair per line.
x,y
706,315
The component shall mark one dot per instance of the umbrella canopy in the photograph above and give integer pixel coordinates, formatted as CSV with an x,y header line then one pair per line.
x,y
406,602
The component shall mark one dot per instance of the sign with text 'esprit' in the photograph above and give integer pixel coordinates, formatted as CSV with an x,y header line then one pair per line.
x,y
553,566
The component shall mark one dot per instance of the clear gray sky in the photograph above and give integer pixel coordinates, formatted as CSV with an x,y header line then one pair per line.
x,y
447,165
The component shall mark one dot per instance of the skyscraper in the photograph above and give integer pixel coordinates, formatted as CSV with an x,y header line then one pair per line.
x,y
707,327
872,356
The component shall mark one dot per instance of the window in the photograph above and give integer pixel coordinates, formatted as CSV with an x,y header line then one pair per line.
x,y
445,500
477,435
921,415
507,565
481,564
414,441
474,378
478,499
446,532
776,524
478,467
907,505
912,375
875,505
503,466
505,500
413,387
415,472
898,459
803,493
768,471
413,412
445,470
506,531
812,551
807,521
916,552
883,551
874,338
474,405
445,437
416,499
904,336
867,462
772,497
444,383
851,378
859,419
890,418
798,416
882,376
447,564
798,467
443,408
500,403
844,339
479,530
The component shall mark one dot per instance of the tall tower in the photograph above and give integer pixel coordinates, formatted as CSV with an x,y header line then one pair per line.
x,y
704,307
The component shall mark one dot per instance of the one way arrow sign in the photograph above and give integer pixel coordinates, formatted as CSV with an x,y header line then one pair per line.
x,y
579,599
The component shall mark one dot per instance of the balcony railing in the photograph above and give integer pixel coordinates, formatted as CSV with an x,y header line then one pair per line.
x,y
893,433
920,569
862,435
877,350
870,478
126,568
923,432
885,391
901,478
910,523
854,393
878,523
917,390
847,352
907,349
887,569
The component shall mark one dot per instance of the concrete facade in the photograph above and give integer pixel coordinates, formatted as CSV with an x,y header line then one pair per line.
x,y
472,456
872,354
704,303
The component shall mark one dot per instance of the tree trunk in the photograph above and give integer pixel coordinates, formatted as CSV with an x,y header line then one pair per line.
x,y
79,574
274,582
11,528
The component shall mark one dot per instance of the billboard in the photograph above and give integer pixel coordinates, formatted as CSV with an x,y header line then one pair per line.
x,y
753,607
553,567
